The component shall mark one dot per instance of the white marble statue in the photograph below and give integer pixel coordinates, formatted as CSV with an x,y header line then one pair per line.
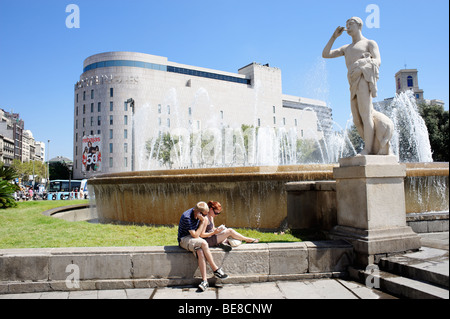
x,y
363,60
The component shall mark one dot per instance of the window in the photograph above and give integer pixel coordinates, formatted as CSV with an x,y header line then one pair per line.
x,y
168,109
125,119
274,109
99,107
111,106
111,135
84,108
221,115
159,108
284,121
92,121
92,107
399,85
125,161
111,122
125,106
125,148
190,111
111,92
77,97
274,120
125,133
110,162
76,111
84,122
84,95
111,148
410,81
259,122
92,94
99,120
168,122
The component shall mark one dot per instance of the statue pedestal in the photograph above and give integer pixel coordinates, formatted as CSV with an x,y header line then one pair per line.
x,y
371,207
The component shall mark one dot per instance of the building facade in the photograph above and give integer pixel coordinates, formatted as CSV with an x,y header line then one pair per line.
x,y
408,80
169,97
18,143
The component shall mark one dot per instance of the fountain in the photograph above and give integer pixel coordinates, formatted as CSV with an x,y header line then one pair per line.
x,y
239,167
410,140
247,167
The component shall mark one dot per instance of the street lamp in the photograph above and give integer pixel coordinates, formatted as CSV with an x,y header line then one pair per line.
x,y
48,162
131,102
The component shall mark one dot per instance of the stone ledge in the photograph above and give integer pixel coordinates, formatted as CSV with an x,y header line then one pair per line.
x,y
32,270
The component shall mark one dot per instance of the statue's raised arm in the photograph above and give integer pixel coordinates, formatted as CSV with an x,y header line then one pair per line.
x,y
327,52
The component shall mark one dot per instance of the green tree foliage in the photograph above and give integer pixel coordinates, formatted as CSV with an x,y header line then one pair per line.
x,y
26,169
437,122
59,170
7,189
355,139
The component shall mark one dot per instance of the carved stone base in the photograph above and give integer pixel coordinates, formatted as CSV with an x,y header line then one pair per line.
x,y
369,244
371,207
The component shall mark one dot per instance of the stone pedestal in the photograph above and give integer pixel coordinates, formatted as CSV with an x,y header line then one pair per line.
x,y
371,207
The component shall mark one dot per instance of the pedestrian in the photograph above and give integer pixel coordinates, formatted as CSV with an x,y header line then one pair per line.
x,y
193,222
219,236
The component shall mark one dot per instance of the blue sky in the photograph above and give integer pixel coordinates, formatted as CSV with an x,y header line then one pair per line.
x,y
41,59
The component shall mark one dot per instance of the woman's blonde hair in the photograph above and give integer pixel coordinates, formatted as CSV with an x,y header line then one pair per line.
x,y
201,207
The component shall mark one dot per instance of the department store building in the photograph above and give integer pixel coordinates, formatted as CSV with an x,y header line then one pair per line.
x,y
164,96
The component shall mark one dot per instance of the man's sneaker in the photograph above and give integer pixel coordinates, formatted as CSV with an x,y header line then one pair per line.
x,y
203,285
225,247
220,274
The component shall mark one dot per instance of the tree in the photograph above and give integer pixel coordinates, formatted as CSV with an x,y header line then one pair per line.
x,y
355,139
59,170
7,189
437,122
26,169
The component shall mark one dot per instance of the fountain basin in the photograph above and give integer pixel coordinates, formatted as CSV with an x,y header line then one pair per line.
x,y
252,197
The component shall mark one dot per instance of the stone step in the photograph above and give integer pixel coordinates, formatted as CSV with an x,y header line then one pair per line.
x,y
410,288
428,265
400,286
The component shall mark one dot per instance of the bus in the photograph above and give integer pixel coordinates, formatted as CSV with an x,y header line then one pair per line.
x,y
65,189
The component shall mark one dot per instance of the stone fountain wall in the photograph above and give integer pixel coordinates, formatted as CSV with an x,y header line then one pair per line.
x,y
252,197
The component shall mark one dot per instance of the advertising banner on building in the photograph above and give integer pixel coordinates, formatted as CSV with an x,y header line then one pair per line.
x,y
92,157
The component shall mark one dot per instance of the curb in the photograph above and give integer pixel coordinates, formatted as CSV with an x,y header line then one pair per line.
x,y
65,269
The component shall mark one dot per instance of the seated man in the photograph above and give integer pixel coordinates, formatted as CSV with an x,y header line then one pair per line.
x,y
193,222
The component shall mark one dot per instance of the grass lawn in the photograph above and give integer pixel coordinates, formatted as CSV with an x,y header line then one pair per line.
x,y
26,227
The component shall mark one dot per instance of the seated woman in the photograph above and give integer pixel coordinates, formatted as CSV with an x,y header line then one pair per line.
x,y
217,236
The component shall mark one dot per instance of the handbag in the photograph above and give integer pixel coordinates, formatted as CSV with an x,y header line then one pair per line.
x,y
234,242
